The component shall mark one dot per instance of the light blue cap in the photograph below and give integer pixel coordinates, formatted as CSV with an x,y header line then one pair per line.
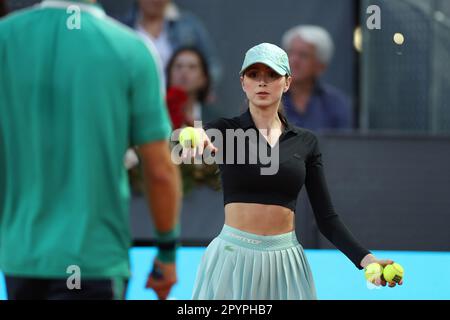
x,y
270,55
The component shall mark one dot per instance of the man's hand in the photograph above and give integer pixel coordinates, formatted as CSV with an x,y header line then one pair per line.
x,y
162,278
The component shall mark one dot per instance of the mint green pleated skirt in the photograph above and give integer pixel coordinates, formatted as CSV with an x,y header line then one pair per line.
x,y
238,265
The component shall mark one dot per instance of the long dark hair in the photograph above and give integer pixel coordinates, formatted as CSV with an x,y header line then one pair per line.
x,y
204,91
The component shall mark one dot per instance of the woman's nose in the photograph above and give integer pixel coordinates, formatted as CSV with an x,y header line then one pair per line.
x,y
263,81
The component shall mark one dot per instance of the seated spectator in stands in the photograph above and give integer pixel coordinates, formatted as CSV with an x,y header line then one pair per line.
x,y
187,71
310,103
188,83
169,28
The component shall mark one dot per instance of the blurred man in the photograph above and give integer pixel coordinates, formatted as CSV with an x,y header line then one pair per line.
x,y
311,103
76,89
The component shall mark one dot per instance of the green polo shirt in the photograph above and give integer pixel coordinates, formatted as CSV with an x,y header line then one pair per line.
x,y
71,102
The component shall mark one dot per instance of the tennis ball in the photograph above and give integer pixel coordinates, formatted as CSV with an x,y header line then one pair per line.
x,y
189,137
399,38
372,271
393,273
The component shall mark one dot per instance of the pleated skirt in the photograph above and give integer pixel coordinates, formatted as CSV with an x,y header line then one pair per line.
x,y
238,265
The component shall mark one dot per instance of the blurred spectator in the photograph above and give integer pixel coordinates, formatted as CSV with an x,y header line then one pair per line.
x,y
311,103
3,10
188,86
188,83
187,71
169,28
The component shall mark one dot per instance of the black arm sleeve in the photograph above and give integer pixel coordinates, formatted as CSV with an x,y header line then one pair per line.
x,y
329,223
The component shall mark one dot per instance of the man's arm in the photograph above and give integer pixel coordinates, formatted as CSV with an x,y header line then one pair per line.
x,y
163,184
150,129
163,191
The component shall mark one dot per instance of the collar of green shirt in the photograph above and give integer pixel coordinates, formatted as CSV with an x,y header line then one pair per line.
x,y
84,5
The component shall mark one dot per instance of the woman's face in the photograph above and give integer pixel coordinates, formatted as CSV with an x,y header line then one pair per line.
x,y
263,86
186,72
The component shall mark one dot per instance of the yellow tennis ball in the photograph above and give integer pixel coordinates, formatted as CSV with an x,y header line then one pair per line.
x,y
399,38
189,137
393,273
372,271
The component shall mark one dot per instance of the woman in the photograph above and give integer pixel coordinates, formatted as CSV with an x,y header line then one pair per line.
x,y
257,255
188,70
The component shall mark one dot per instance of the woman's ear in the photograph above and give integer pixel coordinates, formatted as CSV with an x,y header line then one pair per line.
x,y
242,83
288,84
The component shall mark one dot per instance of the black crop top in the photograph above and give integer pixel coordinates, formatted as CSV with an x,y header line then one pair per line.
x,y
298,163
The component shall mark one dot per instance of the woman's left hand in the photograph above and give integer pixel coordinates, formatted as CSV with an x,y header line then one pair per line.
x,y
370,258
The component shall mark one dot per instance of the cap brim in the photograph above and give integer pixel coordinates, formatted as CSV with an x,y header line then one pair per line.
x,y
271,65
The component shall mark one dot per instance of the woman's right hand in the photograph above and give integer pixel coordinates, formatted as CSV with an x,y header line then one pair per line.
x,y
203,143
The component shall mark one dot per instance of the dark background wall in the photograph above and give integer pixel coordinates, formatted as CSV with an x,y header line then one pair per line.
x,y
235,26
391,191
407,87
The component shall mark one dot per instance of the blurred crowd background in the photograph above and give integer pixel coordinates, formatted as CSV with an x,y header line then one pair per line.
x,y
389,87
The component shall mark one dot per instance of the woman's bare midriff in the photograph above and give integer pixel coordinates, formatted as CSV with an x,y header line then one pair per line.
x,y
261,219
